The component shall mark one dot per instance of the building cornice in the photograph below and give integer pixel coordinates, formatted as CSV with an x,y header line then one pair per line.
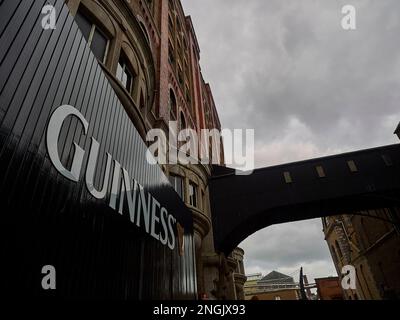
x,y
240,278
201,223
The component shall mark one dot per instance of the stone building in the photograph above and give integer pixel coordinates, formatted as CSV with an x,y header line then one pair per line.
x,y
369,241
150,53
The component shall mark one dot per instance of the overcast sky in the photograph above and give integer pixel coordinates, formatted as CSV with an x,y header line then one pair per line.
x,y
287,69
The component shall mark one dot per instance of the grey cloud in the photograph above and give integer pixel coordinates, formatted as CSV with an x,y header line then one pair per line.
x,y
287,247
281,59
287,69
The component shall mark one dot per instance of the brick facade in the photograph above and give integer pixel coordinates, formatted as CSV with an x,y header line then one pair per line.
x,y
370,242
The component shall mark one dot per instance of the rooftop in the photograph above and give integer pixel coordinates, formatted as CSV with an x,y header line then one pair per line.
x,y
277,277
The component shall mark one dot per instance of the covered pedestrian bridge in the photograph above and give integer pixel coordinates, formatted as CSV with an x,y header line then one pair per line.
x,y
340,184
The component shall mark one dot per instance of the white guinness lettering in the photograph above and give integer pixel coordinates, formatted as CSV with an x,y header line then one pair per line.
x,y
144,210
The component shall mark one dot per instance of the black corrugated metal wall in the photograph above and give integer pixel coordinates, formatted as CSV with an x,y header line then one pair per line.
x,y
49,220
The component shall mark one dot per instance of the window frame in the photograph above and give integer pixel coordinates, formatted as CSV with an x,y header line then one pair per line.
x,y
176,178
320,171
352,166
195,203
93,29
287,176
127,69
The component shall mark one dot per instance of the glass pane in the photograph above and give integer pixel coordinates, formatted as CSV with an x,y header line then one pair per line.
x,y
192,195
99,45
179,186
288,177
352,166
124,78
321,172
84,25
120,71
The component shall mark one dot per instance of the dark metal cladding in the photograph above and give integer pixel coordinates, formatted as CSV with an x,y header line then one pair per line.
x,y
243,205
49,220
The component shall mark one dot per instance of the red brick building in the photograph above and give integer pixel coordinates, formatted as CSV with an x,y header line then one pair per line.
x,y
149,51
329,288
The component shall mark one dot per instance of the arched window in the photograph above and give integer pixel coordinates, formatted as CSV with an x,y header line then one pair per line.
x,y
94,35
124,73
183,121
172,104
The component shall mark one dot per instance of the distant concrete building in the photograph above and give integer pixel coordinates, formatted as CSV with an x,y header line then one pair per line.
x,y
253,278
274,286
329,288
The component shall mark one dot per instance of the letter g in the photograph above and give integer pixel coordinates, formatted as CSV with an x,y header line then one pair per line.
x,y
53,133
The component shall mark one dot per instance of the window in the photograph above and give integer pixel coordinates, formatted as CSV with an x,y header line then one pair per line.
x,y
277,298
185,46
352,166
320,171
183,121
388,161
171,54
288,177
124,73
180,74
187,93
177,184
179,45
170,25
339,250
171,5
172,104
95,38
150,5
178,26
334,255
192,194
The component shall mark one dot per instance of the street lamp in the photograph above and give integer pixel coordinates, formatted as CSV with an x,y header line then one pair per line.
x,y
398,130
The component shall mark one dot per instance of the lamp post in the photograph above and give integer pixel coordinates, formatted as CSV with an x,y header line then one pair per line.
x,y
397,132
